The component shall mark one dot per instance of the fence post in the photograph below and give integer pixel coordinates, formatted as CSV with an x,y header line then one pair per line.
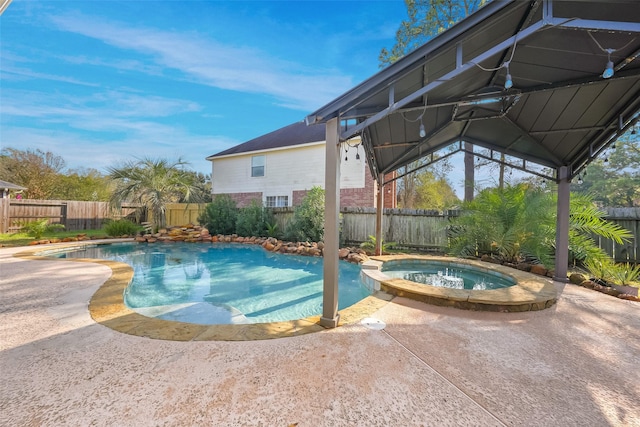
x,y
5,221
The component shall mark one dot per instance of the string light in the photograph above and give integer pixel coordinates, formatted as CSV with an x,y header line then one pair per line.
x,y
421,131
580,179
508,82
609,70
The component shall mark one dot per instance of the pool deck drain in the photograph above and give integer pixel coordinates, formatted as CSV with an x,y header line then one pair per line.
x,y
107,308
530,293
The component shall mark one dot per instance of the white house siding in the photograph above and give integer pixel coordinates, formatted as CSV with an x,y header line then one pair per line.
x,y
287,170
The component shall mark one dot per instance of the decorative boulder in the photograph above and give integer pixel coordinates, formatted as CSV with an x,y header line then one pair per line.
x,y
577,278
539,269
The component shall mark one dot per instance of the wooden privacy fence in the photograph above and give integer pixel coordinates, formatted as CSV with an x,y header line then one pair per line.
x,y
628,218
412,229
183,213
424,230
74,215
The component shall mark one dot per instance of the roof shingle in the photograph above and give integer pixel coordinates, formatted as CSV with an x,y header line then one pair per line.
x,y
294,134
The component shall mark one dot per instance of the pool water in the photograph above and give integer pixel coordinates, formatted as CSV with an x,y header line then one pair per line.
x,y
446,275
224,283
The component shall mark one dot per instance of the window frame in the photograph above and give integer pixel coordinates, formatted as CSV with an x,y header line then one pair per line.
x,y
255,168
277,201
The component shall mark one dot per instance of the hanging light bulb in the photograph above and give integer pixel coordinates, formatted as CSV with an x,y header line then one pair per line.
x,y
606,160
358,152
608,71
613,146
422,131
579,179
508,82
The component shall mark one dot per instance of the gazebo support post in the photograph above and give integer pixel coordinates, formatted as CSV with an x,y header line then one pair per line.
x,y
379,213
562,225
330,316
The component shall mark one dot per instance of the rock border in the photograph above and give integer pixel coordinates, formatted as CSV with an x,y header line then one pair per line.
x,y
195,233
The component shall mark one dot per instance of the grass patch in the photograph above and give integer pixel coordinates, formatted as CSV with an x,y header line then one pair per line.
x,y
23,239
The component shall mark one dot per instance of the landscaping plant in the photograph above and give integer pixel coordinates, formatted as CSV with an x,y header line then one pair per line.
x,y
154,183
121,227
518,223
219,216
370,245
252,220
308,218
38,228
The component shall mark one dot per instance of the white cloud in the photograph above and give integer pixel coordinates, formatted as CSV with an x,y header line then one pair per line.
x,y
102,129
98,106
80,152
238,68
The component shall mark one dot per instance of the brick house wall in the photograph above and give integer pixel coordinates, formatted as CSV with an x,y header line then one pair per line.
x,y
244,199
359,197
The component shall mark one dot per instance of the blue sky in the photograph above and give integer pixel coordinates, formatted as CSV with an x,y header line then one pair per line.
x,y
102,82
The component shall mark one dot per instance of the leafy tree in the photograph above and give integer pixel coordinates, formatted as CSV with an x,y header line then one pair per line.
x,y
426,19
153,183
220,216
614,178
425,186
86,184
36,170
308,218
45,177
518,223
435,193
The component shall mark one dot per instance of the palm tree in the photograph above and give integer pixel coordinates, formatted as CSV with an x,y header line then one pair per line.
x,y
519,222
154,183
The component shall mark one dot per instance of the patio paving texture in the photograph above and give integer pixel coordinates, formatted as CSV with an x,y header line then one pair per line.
x,y
573,364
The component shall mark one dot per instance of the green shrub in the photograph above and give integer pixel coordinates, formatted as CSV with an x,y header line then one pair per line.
x,y
272,229
308,218
518,223
38,227
624,274
599,268
121,227
251,220
370,245
219,216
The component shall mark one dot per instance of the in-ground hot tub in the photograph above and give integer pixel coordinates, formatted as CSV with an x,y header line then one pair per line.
x,y
460,283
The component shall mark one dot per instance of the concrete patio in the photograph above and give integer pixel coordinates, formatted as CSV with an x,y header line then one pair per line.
x,y
576,363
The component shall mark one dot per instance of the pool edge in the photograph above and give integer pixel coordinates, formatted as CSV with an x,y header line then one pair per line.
x,y
107,308
530,293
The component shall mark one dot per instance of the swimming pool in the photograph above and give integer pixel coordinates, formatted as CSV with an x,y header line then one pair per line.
x,y
223,283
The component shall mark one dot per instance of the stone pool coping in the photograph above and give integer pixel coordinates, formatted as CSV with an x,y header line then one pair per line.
x,y
531,292
107,307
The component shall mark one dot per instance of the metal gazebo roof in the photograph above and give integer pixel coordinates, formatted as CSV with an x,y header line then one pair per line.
x,y
560,111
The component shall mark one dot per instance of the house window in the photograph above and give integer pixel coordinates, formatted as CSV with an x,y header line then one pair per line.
x,y
277,201
257,166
